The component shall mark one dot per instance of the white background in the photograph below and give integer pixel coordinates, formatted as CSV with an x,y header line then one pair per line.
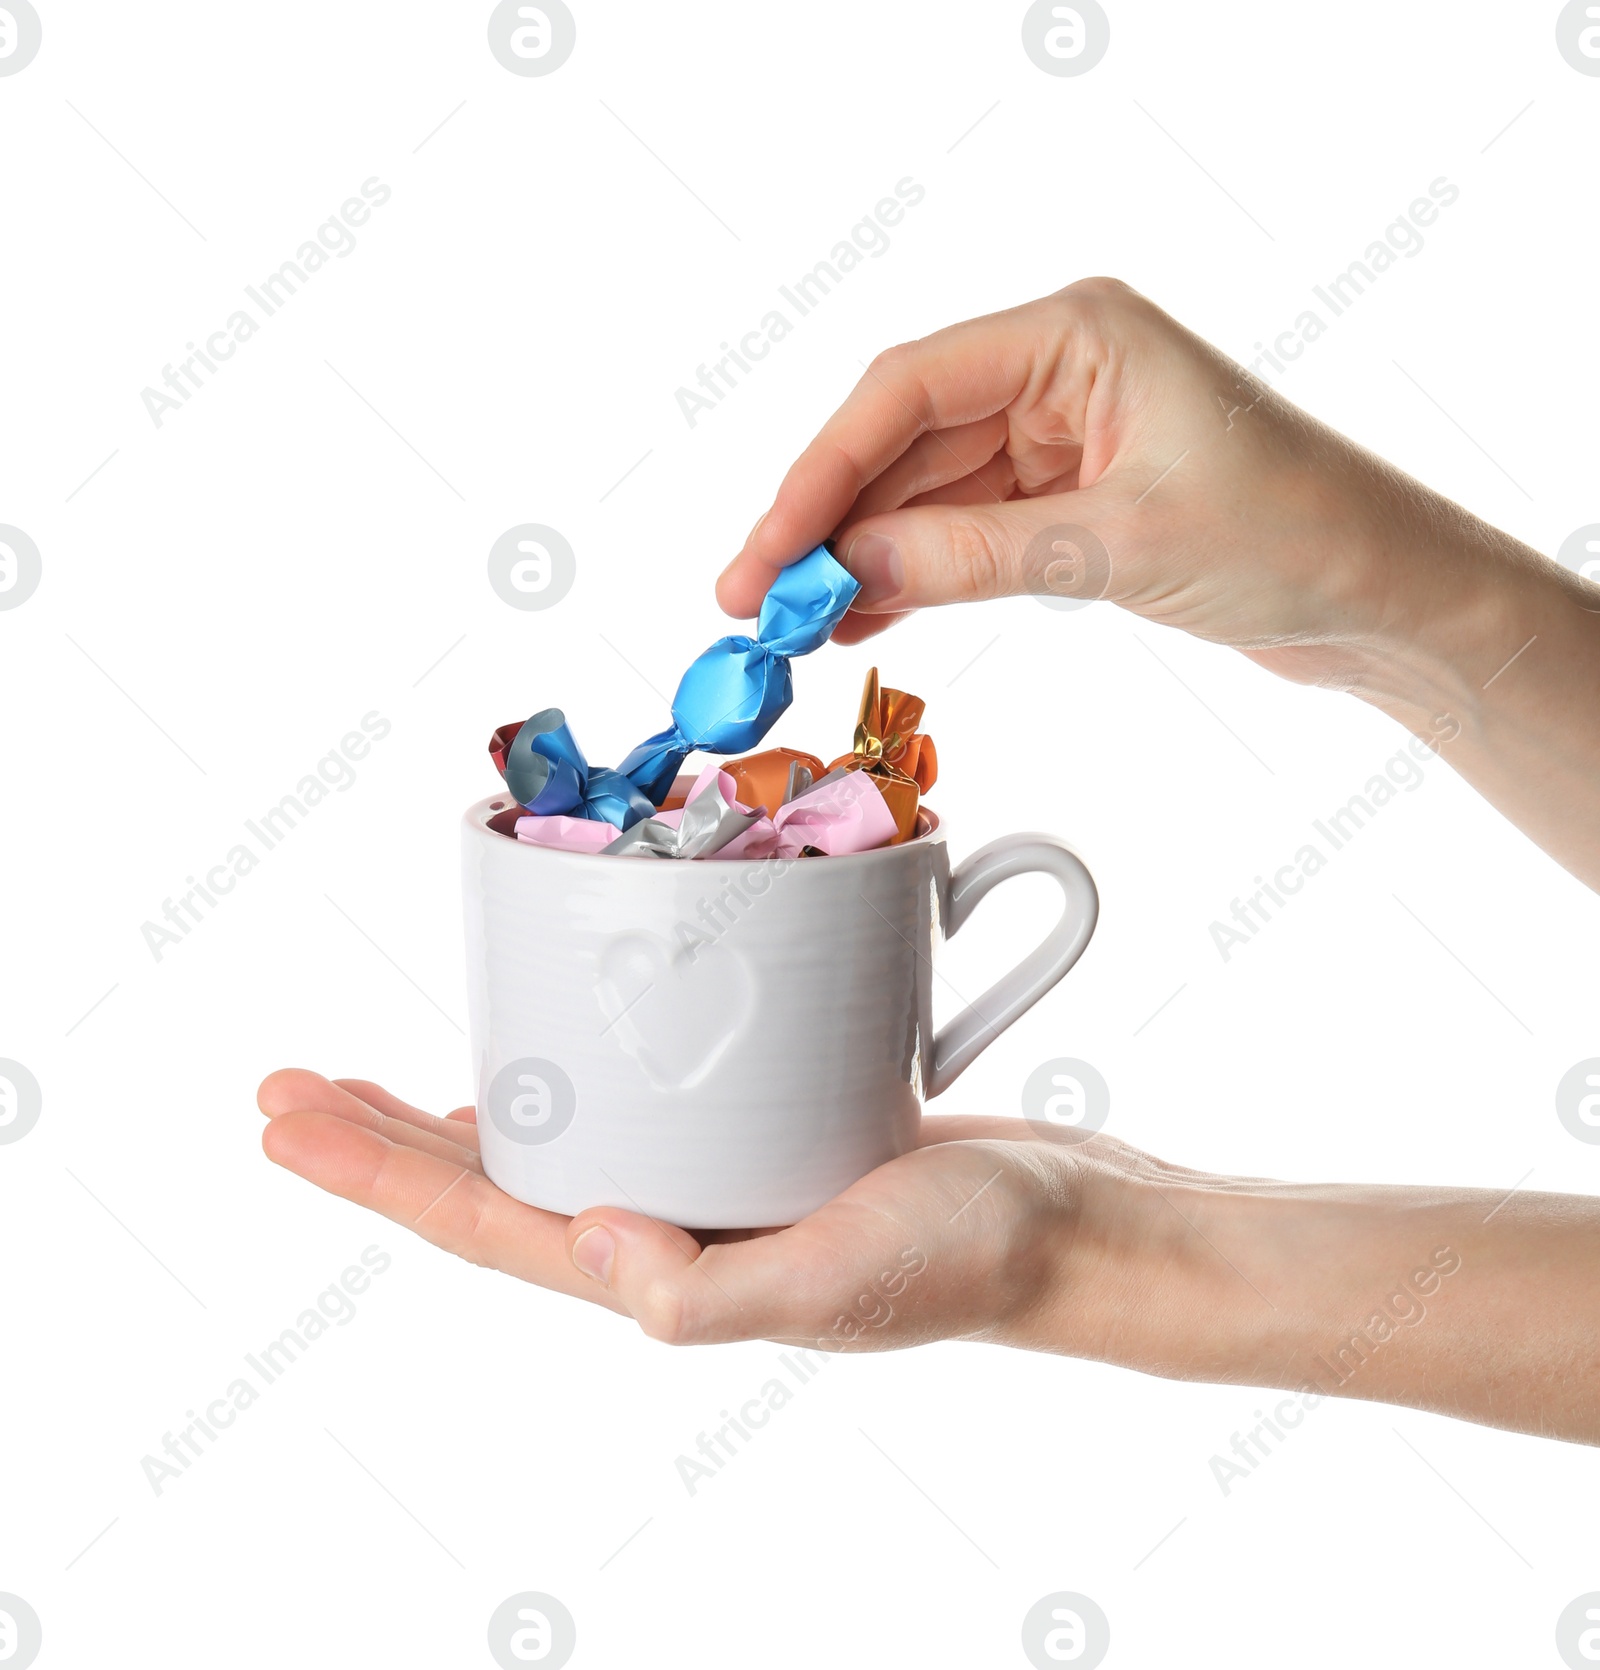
x,y
275,561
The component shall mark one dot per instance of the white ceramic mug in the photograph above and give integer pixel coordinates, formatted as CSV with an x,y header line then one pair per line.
x,y
725,1043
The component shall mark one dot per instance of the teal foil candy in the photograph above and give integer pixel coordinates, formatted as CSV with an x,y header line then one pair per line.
x,y
734,693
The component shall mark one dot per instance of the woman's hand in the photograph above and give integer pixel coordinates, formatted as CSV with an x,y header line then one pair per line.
x,y
1088,445
1220,507
1446,1299
962,1238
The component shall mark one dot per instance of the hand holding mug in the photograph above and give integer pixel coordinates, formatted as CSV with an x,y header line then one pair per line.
x,y
990,1230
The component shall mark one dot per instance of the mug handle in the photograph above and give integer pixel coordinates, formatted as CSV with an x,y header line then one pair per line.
x,y
962,1040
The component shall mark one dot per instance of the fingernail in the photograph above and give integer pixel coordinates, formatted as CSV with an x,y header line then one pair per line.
x,y
874,559
757,528
593,1252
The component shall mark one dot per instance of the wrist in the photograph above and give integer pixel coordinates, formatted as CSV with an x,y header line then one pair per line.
x,y
1149,1267
1247,1282
1455,604
1494,661
1201,1277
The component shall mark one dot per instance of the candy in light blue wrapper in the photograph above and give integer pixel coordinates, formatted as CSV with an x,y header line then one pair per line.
x,y
733,694
545,769
726,702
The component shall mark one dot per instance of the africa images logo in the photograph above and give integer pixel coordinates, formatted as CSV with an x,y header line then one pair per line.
x,y
20,35
20,1103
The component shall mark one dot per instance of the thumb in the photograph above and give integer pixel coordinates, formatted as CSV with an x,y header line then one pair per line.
x,y
941,553
676,1290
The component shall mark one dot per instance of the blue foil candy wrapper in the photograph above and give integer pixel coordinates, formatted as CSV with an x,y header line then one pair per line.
x,y
734,693
726,703
545,770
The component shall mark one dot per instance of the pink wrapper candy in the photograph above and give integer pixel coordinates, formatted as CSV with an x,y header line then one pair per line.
x,y
758,841
566,834
845,815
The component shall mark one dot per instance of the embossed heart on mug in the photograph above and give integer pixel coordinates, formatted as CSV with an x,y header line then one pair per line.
x,y
675,1009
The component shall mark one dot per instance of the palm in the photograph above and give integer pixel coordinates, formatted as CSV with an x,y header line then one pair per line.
x,y
932,1245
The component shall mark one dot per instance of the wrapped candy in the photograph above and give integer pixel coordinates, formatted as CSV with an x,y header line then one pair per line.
x,y
733,693
708,821
838,816
843,814
566,834
769,779
545,771
890,750
727,701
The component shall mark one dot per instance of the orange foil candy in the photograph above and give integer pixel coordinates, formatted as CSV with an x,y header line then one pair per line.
x,y
763,779
893,752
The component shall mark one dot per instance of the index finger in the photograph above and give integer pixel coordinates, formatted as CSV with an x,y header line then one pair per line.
x,y
957,375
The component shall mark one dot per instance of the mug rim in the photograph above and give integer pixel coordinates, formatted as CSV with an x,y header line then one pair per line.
x,y
477,815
